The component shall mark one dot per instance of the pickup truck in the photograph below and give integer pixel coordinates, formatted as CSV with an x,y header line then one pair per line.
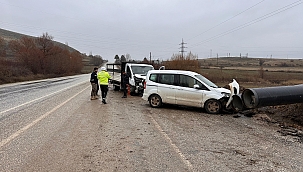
x,y
136,72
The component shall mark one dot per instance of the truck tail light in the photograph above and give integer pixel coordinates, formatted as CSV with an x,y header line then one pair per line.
x,y
144,84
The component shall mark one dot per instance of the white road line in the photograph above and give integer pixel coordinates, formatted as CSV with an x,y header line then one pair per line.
x,y
174,146
17,133
38,99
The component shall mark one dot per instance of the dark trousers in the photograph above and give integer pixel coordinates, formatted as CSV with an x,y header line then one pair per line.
x,y
104,89
124,90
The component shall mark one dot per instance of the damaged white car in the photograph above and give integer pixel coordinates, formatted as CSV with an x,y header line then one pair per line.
x,y
186,88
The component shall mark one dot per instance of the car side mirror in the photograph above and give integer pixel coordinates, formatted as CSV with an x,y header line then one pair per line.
x,y
196,86
162,68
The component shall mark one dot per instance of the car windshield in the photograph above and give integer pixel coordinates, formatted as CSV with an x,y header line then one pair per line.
x,y
142,70
206,81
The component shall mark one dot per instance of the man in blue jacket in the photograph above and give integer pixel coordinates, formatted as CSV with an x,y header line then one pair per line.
x,y
94,83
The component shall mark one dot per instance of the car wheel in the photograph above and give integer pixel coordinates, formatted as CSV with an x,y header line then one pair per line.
x,y
155,101
213,106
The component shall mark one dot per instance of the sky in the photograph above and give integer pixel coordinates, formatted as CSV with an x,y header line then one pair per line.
x,y
140,28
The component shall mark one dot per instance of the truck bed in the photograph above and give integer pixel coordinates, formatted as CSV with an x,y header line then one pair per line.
x,y
115,72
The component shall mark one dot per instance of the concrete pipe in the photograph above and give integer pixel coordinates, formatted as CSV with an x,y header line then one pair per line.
x,y
271,96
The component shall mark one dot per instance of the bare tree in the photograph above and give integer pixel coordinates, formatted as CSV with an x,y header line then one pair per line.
x,y
117,59
123,59
27,53
77,64
188,62
128,57
261,62
145,61
96,60
261,70
45,43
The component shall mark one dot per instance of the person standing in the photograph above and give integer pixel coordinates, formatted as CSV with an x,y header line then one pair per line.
x,y
125,83
94,83
103,77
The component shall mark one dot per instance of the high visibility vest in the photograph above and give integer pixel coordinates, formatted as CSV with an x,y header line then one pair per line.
x,y
103,77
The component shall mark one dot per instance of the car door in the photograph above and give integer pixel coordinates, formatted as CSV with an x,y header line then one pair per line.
x,y
186,94
166,88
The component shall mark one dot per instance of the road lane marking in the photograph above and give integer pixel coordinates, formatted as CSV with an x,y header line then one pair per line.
x,y
38,99
39,85
17,133
174,146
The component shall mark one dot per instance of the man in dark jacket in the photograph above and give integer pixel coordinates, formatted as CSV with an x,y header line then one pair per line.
x,y
94,83
125,82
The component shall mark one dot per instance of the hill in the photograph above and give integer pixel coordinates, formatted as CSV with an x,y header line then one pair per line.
x,y
63,61
251,63
9,35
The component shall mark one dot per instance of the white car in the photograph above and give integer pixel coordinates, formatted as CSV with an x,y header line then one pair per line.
x,y
184,88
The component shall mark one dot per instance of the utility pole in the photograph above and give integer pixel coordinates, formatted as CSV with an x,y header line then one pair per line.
x,y
150,58
182,48
217,59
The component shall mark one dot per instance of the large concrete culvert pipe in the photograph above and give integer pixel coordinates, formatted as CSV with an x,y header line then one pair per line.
x,y
271,96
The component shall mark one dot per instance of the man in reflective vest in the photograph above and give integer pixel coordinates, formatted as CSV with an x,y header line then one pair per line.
x,y
103,77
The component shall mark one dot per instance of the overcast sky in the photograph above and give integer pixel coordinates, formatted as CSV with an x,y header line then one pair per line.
x,y
259,28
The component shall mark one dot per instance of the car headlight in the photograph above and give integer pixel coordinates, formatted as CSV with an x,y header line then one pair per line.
x,y
225,94
138,80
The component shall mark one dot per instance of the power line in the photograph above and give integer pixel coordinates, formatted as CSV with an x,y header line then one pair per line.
x,y
227,19
252,22
223,22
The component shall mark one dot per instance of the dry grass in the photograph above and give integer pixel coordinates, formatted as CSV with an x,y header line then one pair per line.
x,y
247,71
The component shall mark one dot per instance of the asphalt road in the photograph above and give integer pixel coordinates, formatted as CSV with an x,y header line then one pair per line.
x,y
52,125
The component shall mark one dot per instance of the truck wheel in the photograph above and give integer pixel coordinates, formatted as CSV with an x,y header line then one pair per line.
x,y
212,106
132,91
155,101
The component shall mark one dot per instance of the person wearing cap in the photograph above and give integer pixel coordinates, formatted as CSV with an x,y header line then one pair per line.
x,y
103,77
94,83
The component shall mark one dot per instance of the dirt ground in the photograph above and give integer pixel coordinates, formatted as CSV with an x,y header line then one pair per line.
x,y
128,135
177,138
288,117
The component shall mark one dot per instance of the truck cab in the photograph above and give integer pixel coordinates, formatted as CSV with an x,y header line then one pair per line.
x,y
137,74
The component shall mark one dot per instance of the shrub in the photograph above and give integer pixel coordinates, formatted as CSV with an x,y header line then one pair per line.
x,y
178,62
